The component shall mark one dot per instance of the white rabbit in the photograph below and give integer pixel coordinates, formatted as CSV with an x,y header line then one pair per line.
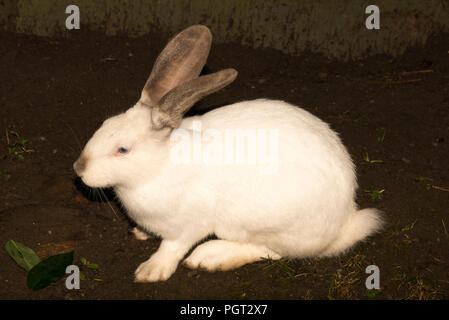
x,y
304,207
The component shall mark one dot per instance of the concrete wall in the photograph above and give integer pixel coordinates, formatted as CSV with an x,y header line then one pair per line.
x,y
335,28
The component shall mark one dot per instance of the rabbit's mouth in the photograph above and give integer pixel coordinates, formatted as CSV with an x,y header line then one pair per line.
x,y
94,194
92,181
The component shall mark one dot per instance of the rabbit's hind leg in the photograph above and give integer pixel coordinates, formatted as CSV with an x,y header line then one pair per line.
x,y
225,255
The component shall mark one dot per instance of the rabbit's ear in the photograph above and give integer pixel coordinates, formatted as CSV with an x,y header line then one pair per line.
x,y
171,108
180,61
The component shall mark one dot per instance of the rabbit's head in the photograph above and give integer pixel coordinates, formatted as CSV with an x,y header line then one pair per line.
x,y
132,145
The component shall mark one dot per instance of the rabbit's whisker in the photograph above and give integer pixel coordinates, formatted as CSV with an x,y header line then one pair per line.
x,y
101,191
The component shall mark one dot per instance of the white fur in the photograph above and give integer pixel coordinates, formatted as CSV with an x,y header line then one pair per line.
x,y
305,209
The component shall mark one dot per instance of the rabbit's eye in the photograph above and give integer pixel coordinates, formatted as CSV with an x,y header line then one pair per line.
x,y
122,150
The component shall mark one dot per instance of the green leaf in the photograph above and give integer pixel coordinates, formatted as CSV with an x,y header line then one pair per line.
x,y
93,266
49,270
22,255
83,260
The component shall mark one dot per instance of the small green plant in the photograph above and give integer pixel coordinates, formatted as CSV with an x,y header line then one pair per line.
x,y
18,147
368,160
281,265
425,181
332,289
381,136
376,194
396,227
418,289
89,265
342,285
372,293
410,227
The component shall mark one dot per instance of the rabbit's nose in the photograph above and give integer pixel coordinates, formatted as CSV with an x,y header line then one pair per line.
x,y
80,165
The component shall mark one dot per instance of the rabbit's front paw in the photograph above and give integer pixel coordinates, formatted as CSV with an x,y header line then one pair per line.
x,y
155,269
139,234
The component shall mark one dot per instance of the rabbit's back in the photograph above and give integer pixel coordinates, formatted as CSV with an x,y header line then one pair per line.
x,y
294,136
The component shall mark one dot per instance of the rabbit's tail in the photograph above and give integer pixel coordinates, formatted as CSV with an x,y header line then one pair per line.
x,y
360,225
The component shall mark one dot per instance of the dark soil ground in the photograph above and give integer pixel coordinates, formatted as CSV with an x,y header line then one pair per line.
x,y
56,92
